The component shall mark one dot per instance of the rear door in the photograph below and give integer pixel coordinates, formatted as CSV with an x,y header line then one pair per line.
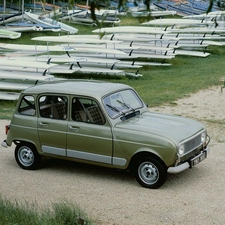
x,y
52,123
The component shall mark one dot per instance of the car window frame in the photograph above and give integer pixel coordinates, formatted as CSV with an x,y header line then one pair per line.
x,y
85,108
30,109
120,113
50,108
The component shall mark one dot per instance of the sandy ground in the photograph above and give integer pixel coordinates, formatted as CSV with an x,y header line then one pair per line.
x,y
110,197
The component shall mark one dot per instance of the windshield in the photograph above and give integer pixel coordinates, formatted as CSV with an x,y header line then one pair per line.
x,y
121,103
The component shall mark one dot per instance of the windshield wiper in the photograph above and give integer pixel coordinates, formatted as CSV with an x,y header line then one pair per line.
x,y
115,109
125,105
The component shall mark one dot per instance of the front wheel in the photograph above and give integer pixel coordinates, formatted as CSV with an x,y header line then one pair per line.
x,y
27,156
150,172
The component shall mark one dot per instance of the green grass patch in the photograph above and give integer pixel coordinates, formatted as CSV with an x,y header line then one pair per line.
x,y
25,214
7,109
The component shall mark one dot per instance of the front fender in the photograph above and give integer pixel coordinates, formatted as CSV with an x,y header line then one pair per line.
x,y
128,144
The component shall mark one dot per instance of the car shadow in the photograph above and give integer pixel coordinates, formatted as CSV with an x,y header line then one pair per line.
x,y
82,169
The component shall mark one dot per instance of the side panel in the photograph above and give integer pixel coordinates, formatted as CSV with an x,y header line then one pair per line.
x,y
52,135
89,142
23,128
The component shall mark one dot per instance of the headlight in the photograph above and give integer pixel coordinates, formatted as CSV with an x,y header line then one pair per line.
x,y
203,137
181,149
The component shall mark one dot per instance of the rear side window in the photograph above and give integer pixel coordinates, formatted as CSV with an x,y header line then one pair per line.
x,y
54,107
27,106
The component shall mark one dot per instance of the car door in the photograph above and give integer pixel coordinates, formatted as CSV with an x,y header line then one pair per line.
x,y
89,135
52,124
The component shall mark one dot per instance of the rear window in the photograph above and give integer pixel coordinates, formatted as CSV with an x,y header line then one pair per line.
x,y
27,106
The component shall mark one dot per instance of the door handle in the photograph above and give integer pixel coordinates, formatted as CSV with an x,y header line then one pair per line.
x,y
74,128
43,124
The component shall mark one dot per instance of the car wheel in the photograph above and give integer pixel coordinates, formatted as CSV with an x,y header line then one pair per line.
x,y
150,172
27,156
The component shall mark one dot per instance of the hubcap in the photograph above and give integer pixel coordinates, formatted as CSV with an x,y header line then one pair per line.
x,y
148,173
26,156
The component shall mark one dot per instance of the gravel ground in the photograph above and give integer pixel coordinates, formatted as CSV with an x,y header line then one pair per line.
x,y
113,197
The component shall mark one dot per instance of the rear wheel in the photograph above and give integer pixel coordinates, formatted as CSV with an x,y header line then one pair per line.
x,y
26,156
150,172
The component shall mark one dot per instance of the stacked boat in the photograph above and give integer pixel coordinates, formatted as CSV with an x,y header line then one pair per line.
x,y
186,7
121,50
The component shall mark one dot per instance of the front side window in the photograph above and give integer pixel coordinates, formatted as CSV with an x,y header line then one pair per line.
x,y
54,107
121,103
27,106
86,110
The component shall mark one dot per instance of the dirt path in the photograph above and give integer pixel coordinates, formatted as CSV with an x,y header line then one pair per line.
x,y
111,197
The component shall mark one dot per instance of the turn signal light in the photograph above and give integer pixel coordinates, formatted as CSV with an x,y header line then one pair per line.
x,y
6,129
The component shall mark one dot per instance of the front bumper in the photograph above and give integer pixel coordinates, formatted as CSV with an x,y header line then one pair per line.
x,y
186,165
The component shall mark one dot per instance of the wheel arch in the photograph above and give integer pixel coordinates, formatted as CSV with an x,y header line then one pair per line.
x,y
19,142
139,155
26,155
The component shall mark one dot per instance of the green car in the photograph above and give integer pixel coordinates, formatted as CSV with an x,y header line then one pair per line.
x,y
105,124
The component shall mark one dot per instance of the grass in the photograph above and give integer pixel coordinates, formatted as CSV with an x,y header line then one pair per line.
x,y
23,214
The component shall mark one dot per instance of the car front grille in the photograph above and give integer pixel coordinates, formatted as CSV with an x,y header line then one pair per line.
x,y
192,143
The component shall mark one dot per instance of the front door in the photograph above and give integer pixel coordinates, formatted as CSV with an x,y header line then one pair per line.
x,y
89,135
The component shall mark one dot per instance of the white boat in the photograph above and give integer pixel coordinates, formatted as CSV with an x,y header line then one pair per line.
x,y
23,26
83,16
191,53
75,68
18,75
208,16
66,59
21,63
48,21
12,96
145,63
36,48
151,55
9,34
11,18
153,13
104,71
102,64
14,86
94,39
181,22
131,29
52,58
63,26
195,30
50,71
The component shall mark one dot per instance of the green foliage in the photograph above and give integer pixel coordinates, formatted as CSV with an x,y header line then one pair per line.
x,y
24,214
7,109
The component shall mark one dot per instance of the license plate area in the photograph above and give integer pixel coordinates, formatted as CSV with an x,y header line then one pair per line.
x,y
199,158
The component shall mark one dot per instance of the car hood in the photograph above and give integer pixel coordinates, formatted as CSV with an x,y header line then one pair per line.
x,y
175,128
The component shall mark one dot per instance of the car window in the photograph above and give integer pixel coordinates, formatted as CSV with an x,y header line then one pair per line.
x,y
53,106
27,106
122,102
86,110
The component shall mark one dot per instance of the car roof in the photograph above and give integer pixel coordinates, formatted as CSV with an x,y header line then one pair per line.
x,y
78,87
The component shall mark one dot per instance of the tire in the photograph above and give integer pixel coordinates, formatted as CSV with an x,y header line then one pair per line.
x,y
150,172
27,156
